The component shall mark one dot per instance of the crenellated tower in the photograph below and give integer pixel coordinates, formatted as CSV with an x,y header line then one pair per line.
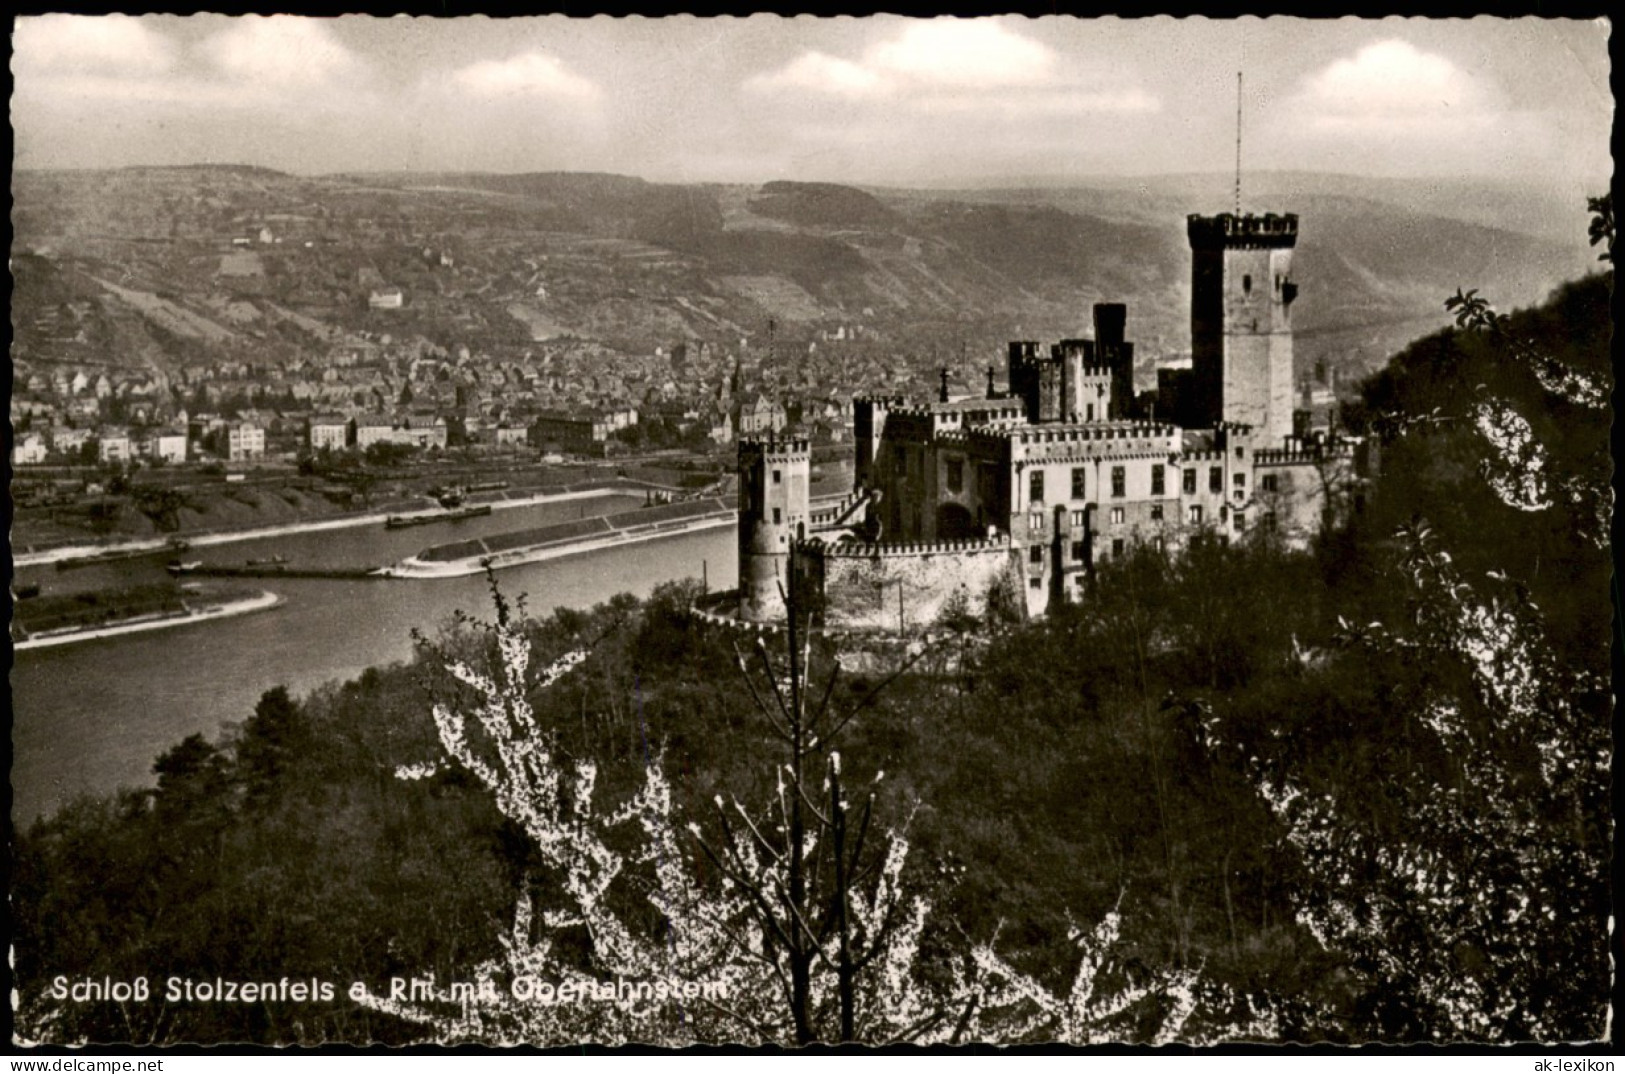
x,y
1241,325
773,512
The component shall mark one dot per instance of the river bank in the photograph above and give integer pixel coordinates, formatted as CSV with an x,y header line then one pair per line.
x,y
142,624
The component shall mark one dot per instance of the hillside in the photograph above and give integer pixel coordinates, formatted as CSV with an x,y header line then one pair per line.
x,y
1254,796
144,262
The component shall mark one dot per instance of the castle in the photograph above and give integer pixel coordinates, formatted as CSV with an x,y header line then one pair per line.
x,y
1019,495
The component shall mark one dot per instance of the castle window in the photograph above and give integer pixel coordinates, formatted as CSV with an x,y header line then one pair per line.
x,y
1269,521
1194,514
1118,546
1032,583
1247,285
1241,520
1117,516
956,475
1077,519
776,515
778,477
1089,411
1240,480
1158,485
1241,453
1035,554
1035,522
1119,481
1158,543
1079,475
1215,479
1156,512
1077,550
1267,482
1035,486
1190,482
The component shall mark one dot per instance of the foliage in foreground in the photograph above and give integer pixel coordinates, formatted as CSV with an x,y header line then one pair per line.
x,y
619,936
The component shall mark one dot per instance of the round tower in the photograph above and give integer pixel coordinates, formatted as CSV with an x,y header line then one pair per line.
x,y
1241,325
773,481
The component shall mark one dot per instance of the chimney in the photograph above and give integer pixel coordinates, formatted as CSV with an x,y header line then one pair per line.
x,y
942,392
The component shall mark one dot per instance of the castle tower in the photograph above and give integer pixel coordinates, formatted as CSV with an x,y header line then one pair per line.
x,y
773,482
1241,327
1115,353
868,426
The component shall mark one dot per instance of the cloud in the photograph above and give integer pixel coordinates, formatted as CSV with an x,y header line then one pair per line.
x,y
104,44
281,67
958,52
819,72
526,75
1392,79
282,51
939,66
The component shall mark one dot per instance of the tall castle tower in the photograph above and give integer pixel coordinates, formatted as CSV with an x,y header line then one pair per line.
x,y
1241,325
773,492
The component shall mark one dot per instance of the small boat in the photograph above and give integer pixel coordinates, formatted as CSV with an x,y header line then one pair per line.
x,y
113,556
268,561
24,592
401,522
177,568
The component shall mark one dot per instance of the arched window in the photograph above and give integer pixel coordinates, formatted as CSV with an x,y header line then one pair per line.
x,y
1247,284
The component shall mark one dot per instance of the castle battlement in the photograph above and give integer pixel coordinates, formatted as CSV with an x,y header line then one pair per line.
x,y
983,433
1288,457
1227,230
837,510
915,548
776,449
911,410
1067,432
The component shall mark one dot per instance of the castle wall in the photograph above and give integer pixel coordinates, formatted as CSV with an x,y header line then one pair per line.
x,y
911,586
1299,492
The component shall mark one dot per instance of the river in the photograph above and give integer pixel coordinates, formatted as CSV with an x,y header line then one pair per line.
x,y
92,716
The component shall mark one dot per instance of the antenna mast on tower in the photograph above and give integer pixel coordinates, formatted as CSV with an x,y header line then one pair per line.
x,y
1238,143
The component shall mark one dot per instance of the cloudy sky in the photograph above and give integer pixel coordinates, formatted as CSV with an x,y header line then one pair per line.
x,y
867,100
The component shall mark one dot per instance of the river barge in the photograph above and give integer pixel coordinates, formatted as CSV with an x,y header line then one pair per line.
x,y
401,522
563,539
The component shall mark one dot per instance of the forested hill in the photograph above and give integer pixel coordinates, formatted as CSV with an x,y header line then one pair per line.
x,y
1361,794
631,265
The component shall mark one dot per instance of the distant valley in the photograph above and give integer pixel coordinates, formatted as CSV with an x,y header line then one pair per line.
x,y
156,268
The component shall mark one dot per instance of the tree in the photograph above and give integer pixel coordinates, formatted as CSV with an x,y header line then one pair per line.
x,y
1459,863
804,867
785,926
269,742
